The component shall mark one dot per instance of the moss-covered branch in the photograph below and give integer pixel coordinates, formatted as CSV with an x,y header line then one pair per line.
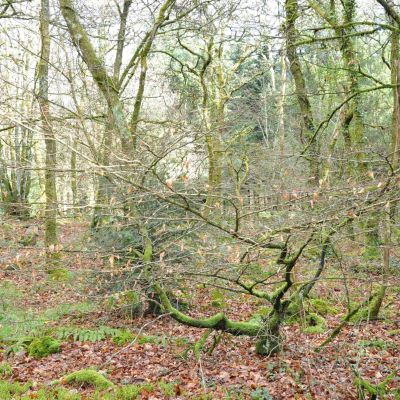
x,y
217,322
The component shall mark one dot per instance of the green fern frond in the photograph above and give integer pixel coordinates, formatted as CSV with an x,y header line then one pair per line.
x,y
87,335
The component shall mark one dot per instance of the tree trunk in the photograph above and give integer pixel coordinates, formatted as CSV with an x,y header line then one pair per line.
x,y
105,83
49,137
308,125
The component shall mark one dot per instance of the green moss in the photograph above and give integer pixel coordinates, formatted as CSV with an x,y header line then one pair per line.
x,y
88,377
5,370
323,307
381,390
203,397
42,347
168,389
60,274
264,311
316,324
255,319
13,390
24,391
127,392
293,312
217,299
371,311
269,342
261,313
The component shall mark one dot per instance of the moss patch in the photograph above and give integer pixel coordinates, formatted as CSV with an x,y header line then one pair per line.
x,y
323,307
88,377
9,390
5,370
60,274
316,324
42,347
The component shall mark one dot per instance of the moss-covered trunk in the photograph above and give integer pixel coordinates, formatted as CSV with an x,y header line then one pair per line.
x,y
49,136
308,125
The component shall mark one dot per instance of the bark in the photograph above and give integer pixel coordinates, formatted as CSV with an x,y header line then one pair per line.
x,y
352,124
291,8
106,84
213,110
74,180
281,106
121,39
50,140
395,76
351,65
145,52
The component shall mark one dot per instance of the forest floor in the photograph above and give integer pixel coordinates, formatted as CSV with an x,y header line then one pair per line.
x,y
158,359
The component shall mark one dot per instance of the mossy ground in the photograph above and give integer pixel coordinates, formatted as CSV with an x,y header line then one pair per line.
x,y
102,389
43,346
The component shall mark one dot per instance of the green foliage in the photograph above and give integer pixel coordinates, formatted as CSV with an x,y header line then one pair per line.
x,y
57,393
143,339
11,391
260,394
42,347
377,343
88,377
88,335
19,345
123,337
199,345
5,370
256,319
18,323
203,397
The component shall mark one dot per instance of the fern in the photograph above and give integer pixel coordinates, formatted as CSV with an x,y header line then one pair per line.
x,y
87,335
